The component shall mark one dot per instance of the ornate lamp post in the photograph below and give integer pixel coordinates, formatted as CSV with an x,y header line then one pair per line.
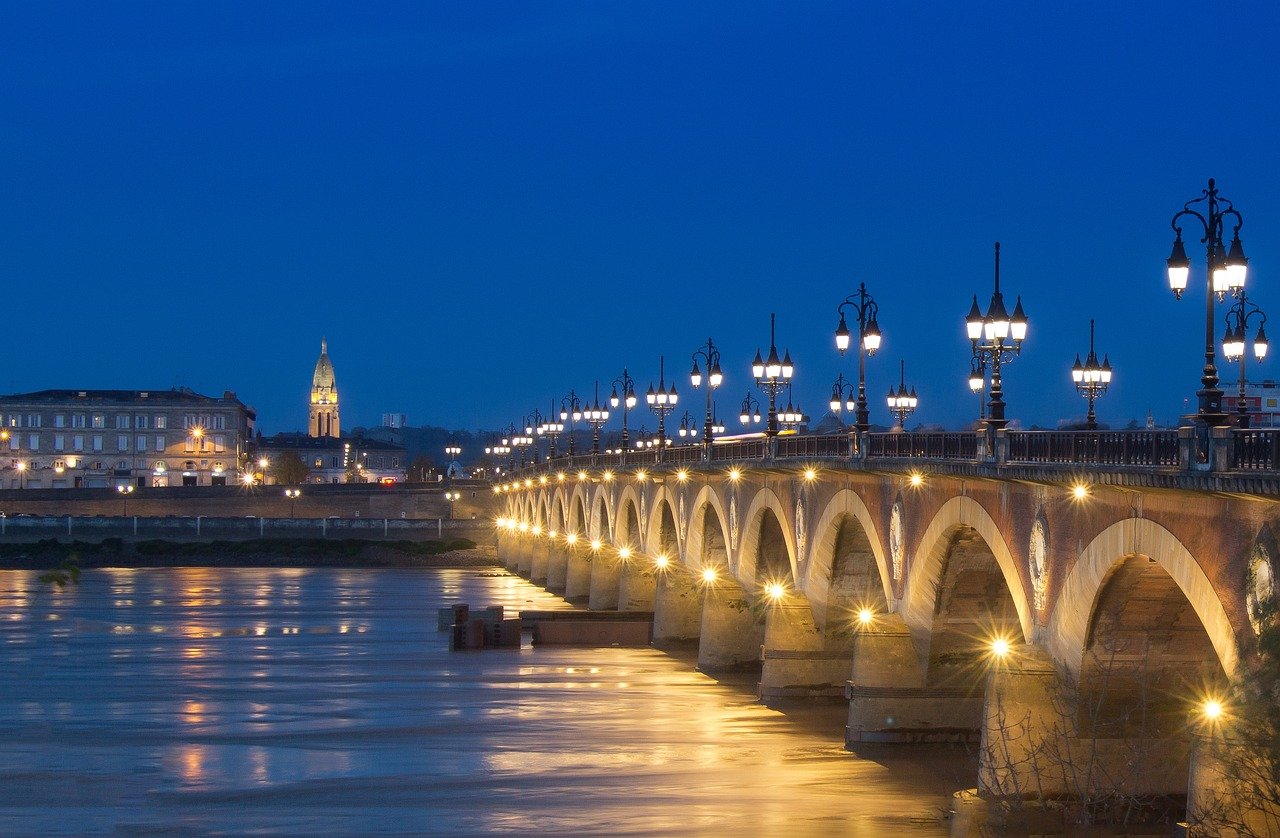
x,y
292,495
771,376
711,357
868,342
453,497
503,448
125,491
1226,272
596,416
662,401
791,416
1091,379
996,338
626,400
1233,345
453,451
901,403
750,410
842,395
689,426
571,412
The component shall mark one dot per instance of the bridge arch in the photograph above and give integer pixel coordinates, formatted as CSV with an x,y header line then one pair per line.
x,y
706,544
765,517
662,530
601,514
626,531
1075,609
578,509
924,574
846,557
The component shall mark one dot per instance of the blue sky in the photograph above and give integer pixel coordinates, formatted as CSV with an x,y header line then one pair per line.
x,y
483,205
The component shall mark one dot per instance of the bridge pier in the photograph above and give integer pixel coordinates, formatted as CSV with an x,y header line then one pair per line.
x,y
636,586
677,606
889,699
577,581
1220,774
557,566
731,635
541,558
799,659
524,558
606,578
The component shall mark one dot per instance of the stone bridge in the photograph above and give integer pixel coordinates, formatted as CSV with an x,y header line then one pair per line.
x,y
1036,593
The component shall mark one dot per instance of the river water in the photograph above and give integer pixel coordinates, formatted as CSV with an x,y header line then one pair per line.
x,y
277,701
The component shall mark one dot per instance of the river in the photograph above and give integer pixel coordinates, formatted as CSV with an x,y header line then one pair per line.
x,y
283,701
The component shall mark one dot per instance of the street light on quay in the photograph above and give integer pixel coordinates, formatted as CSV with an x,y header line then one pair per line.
x,y
1227,269
711,357
750,412
662,401
626,400
1233,345
596,416
125,491
571,412
772,375
843,395
1091,379
864,305
901,403
996,338
292,495
452,496
791,416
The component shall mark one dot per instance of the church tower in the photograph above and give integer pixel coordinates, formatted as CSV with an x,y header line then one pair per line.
x,y
324,398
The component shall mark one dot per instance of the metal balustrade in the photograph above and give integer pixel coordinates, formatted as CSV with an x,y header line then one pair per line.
x,y
949,446
812,446
1118,448
1255,450
1239,450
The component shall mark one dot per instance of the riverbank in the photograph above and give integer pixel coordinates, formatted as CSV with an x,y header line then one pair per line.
x,y
275,552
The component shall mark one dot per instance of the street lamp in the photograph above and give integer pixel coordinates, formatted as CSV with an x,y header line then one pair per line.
x,y
842,395
689,425
502,449
772,375
452,451
901,403
596,416
868,342
1092,379
549,428
750,410
571,412
791,415
22,474
996,337
711,357
452,497
662,401
125,491
627,400
1233,345
292,495
1227,270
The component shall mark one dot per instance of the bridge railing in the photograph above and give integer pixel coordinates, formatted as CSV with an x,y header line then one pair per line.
x,y
829,445
1255,450
1121,448
948,446
746,449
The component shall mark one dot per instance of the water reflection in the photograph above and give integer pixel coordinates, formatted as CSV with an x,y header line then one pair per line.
x,y
325,701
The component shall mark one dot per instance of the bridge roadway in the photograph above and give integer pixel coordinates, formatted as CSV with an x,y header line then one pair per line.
x,y
1121,570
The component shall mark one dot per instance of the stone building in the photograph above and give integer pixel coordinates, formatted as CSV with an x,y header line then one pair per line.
x,y
323,420
351,459
101,438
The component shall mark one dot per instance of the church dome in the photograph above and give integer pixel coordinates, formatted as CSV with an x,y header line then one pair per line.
x,y
324,379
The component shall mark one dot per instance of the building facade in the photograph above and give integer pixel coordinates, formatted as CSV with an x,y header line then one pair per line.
x,y
101,438
323,420
335,460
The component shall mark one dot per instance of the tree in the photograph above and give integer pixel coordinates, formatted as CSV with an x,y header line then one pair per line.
x,y
422,469
288,469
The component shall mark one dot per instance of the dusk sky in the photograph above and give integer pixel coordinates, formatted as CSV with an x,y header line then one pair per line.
x,y
483,205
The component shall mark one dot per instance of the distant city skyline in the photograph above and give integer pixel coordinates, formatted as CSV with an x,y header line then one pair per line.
x,y
483,207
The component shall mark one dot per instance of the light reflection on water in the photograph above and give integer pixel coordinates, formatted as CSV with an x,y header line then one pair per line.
x,y
294,701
